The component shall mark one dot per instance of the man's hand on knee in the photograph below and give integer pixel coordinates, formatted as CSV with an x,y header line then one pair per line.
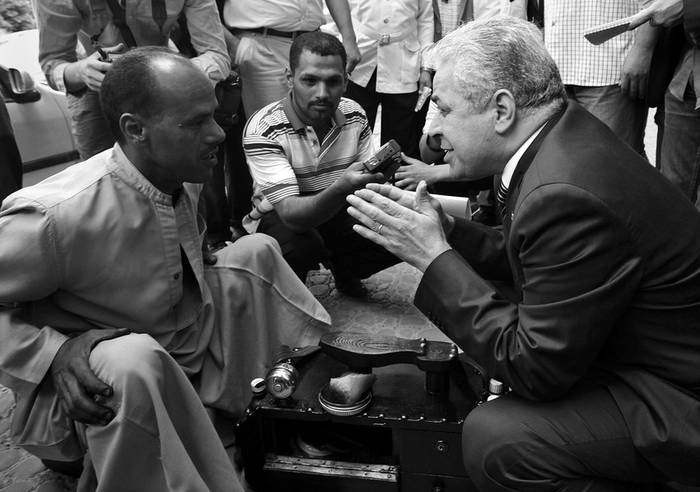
x,y
79,390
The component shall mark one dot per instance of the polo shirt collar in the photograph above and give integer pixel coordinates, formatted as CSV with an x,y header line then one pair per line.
x,y
297,124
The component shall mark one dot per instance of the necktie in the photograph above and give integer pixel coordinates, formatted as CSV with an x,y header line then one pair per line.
x,y
501,195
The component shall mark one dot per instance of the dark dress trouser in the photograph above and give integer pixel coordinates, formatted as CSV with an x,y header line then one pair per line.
x,y
564,445
334,240
10,160
399,121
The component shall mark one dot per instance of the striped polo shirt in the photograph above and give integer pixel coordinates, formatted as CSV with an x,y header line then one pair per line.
x,y
286,158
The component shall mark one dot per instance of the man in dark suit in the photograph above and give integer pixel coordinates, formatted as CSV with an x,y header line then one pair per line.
x,y
599,334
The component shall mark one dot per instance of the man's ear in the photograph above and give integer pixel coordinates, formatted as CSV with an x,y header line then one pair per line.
x,y
290,77
132,127
506,110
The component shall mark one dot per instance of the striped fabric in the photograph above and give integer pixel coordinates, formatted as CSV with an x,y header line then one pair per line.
x,y
449,15
501,196
580,62
286,158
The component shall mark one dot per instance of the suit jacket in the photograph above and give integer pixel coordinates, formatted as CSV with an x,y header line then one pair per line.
x,y
604,256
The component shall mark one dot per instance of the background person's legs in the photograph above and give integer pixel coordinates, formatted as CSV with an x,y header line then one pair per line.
x,y
302,250
11,162
401,123
579,443
626,117
214,204
680,148
262,61
89,126
352,254
240,183
352,257
366,97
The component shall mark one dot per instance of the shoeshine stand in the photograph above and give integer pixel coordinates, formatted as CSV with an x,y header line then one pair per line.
x,y
408,438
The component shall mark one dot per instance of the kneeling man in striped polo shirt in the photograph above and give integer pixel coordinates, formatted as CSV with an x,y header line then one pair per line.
x,y
305,155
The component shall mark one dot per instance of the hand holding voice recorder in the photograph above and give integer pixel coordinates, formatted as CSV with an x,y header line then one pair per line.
x,y
386,160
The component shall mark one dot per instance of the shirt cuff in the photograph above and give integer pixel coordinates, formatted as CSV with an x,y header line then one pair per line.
x,y
57,76
210,68
53,340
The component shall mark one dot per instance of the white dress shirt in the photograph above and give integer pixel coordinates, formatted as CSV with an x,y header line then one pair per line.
x,y
283,15
391,36
513,161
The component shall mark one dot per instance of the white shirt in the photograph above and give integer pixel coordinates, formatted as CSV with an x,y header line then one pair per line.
x,y
283,15
407,25
513,161
483,9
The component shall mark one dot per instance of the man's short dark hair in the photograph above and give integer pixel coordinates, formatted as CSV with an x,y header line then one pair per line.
x,y
319,43
131,86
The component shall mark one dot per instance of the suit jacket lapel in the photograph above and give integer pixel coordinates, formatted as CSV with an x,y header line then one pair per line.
x,y
521,169
512,197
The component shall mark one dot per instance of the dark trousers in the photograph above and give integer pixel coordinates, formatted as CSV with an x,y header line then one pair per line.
x,y
334,240
228,193
578,443
10,160
399,121
679,159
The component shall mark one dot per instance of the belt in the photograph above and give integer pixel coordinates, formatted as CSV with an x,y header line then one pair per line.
x,y
268,31
383,38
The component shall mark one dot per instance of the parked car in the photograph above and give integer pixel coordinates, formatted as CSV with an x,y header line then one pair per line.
x,y
39,114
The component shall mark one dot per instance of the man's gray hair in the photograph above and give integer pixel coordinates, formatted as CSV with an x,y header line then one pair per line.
x,y
502,52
